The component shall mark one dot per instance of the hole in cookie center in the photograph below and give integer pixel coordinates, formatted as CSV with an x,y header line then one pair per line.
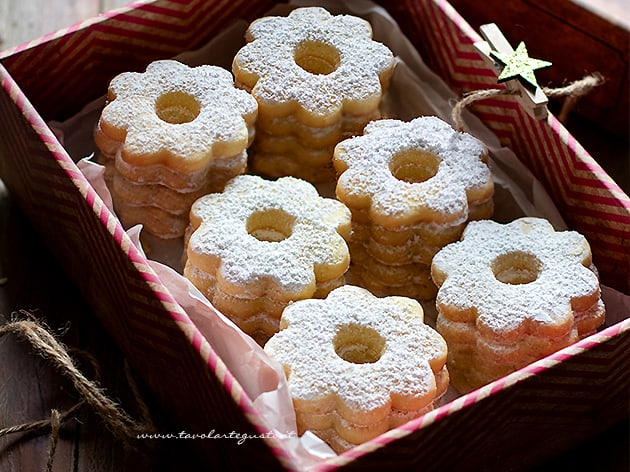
x,y
177,107
270,225
358,344
317,57
516,268
414,166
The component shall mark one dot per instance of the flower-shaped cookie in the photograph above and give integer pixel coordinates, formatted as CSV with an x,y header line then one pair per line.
x,y
514,293
276,239
405,173
353,360
314,65
514,279
179,116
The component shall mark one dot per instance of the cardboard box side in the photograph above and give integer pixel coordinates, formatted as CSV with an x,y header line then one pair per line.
x,y
150,328
591,202
218,403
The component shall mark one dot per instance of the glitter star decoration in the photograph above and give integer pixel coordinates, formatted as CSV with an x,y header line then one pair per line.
x,y
518,65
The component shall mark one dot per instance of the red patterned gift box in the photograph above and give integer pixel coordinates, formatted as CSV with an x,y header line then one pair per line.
x,y
567,395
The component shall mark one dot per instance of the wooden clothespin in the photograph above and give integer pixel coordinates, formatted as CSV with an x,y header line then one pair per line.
x,y
515,68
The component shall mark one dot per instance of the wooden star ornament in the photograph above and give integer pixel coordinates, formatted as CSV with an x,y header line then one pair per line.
x,y
518,65
514,68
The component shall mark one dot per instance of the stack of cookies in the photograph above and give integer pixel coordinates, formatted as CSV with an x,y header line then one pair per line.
x,y
168,136
318,79
411,188
378,365
510,294
260,245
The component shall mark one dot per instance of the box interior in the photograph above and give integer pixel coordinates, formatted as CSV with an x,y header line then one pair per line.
x,y
79,64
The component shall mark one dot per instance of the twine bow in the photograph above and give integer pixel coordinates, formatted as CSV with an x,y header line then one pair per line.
x,y
572,91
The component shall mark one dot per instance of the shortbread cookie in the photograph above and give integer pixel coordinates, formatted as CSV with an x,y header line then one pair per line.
x,y
216,174
257,316
405,173
294,149
154,195
376,364
476,211
313,65
432,234
313,136
167,198
422,288
412,252
170,135
409,280
279,165
161,223
179,116
275,240
511,294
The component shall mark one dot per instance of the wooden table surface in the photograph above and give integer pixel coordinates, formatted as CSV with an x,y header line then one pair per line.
x,y
30,279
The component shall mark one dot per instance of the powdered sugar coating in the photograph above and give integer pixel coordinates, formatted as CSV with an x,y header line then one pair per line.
x,y
403,376
469,291
366,180
221,128
315,251
268,67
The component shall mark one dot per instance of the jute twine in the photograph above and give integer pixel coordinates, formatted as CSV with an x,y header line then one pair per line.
x,y
119,423
572,91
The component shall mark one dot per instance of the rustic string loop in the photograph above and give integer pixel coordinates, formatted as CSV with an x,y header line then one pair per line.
x,y
115,419
572,91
